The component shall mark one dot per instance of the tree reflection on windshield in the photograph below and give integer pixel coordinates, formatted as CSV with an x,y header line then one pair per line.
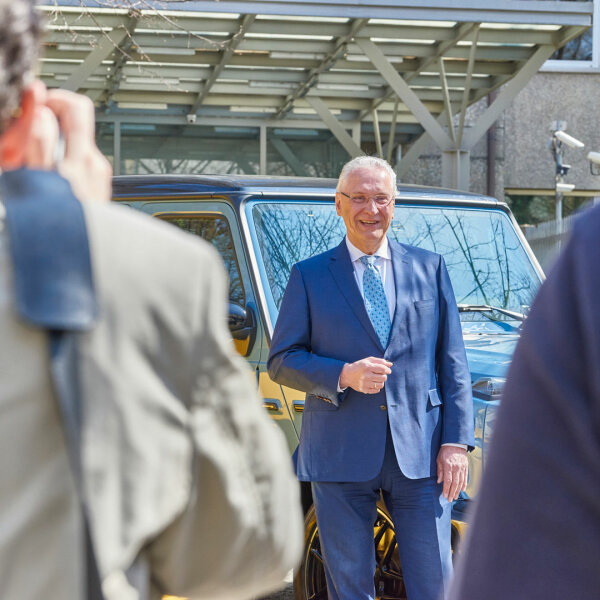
x,y
484,256
486,262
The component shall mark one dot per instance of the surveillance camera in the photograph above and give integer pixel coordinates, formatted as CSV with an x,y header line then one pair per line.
x,y
191,119
594,157
564,187
567,139
563,169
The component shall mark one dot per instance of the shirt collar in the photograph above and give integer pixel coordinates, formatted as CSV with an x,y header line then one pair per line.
x,y
382,252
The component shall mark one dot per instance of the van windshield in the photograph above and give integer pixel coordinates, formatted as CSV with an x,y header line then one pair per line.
x,y
486,260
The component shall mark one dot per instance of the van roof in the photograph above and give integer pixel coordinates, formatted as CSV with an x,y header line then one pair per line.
x,y
139,186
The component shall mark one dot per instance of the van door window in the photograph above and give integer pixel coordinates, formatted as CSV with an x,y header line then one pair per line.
x,y
215,229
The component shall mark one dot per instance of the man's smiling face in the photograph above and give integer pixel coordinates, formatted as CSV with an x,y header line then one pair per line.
x,y
366,224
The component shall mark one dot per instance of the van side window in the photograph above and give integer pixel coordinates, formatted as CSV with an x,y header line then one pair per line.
x,y
215,229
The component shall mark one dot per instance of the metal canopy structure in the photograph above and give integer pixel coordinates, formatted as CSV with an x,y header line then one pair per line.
x,y
396,73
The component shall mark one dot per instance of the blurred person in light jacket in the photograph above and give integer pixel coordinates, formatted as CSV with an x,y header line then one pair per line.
x,y
137,458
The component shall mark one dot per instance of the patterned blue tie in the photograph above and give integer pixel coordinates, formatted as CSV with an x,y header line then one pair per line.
x,y
375,300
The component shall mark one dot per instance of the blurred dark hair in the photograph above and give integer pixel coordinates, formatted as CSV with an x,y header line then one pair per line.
x,y
20,30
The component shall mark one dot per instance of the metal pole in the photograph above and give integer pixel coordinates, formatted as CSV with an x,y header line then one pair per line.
x,y
392,132
263,150
117,148
558,217
558,209
377,133
491,152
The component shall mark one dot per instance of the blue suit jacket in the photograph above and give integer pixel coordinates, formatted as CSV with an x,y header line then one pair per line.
x,y
323,324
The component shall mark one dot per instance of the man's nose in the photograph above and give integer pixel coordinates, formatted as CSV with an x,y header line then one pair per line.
x,y
371,206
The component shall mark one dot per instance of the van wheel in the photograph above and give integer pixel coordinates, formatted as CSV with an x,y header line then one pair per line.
x,y
309,581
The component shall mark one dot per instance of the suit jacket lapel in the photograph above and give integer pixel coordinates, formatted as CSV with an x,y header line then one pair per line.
x,y
402,267
342,271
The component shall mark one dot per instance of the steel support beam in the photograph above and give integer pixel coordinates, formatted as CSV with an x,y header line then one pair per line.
x,y
117,149
328,62
417,148
107,45
403,91
356,133
262,169
335,126
507,95
159,119
419,145
461,32
455,160
114,81
447,103
288,155
456,169
392,133
502,11
234,42
377,133
468,84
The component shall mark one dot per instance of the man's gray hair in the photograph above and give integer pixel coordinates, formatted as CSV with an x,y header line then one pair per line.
x,y
20,29
366,162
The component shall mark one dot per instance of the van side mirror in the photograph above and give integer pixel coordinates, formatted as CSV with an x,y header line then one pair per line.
x,y
242,325
489,388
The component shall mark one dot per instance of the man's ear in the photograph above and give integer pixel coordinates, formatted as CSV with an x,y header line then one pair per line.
x,y
14,141
338,207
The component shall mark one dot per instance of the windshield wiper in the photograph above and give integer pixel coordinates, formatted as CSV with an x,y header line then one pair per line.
x,y
489,308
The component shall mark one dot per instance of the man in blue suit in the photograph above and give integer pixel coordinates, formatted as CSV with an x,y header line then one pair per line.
x,y
370,331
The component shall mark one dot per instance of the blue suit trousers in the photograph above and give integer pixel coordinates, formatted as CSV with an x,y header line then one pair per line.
x,y
346,513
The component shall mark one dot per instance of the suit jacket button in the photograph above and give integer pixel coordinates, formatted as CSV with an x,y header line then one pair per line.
x,y
383,407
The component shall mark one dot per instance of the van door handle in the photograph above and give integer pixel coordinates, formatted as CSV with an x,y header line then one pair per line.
x,y
272,404
298,406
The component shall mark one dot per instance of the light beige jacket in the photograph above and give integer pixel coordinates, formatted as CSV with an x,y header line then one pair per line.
x,y
185,476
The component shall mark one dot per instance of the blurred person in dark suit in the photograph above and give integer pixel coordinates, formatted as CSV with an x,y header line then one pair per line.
x,y
137,458
535,533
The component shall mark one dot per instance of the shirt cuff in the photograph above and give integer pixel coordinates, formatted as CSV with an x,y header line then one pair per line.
x,y
463,446
341,390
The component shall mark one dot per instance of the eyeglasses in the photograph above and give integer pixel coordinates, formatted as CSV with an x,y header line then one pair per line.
x,y
360,200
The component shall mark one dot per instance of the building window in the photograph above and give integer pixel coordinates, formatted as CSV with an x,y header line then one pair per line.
x,y
581,48
582,53
148,147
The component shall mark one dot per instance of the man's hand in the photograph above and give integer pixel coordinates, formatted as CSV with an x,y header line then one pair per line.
x,y
452,469
83,165
43,140
367,375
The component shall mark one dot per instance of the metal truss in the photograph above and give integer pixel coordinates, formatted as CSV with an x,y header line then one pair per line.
x,y
358,69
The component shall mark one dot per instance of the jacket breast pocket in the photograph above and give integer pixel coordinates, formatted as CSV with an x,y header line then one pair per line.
x,y
434,398
314,403
425,305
